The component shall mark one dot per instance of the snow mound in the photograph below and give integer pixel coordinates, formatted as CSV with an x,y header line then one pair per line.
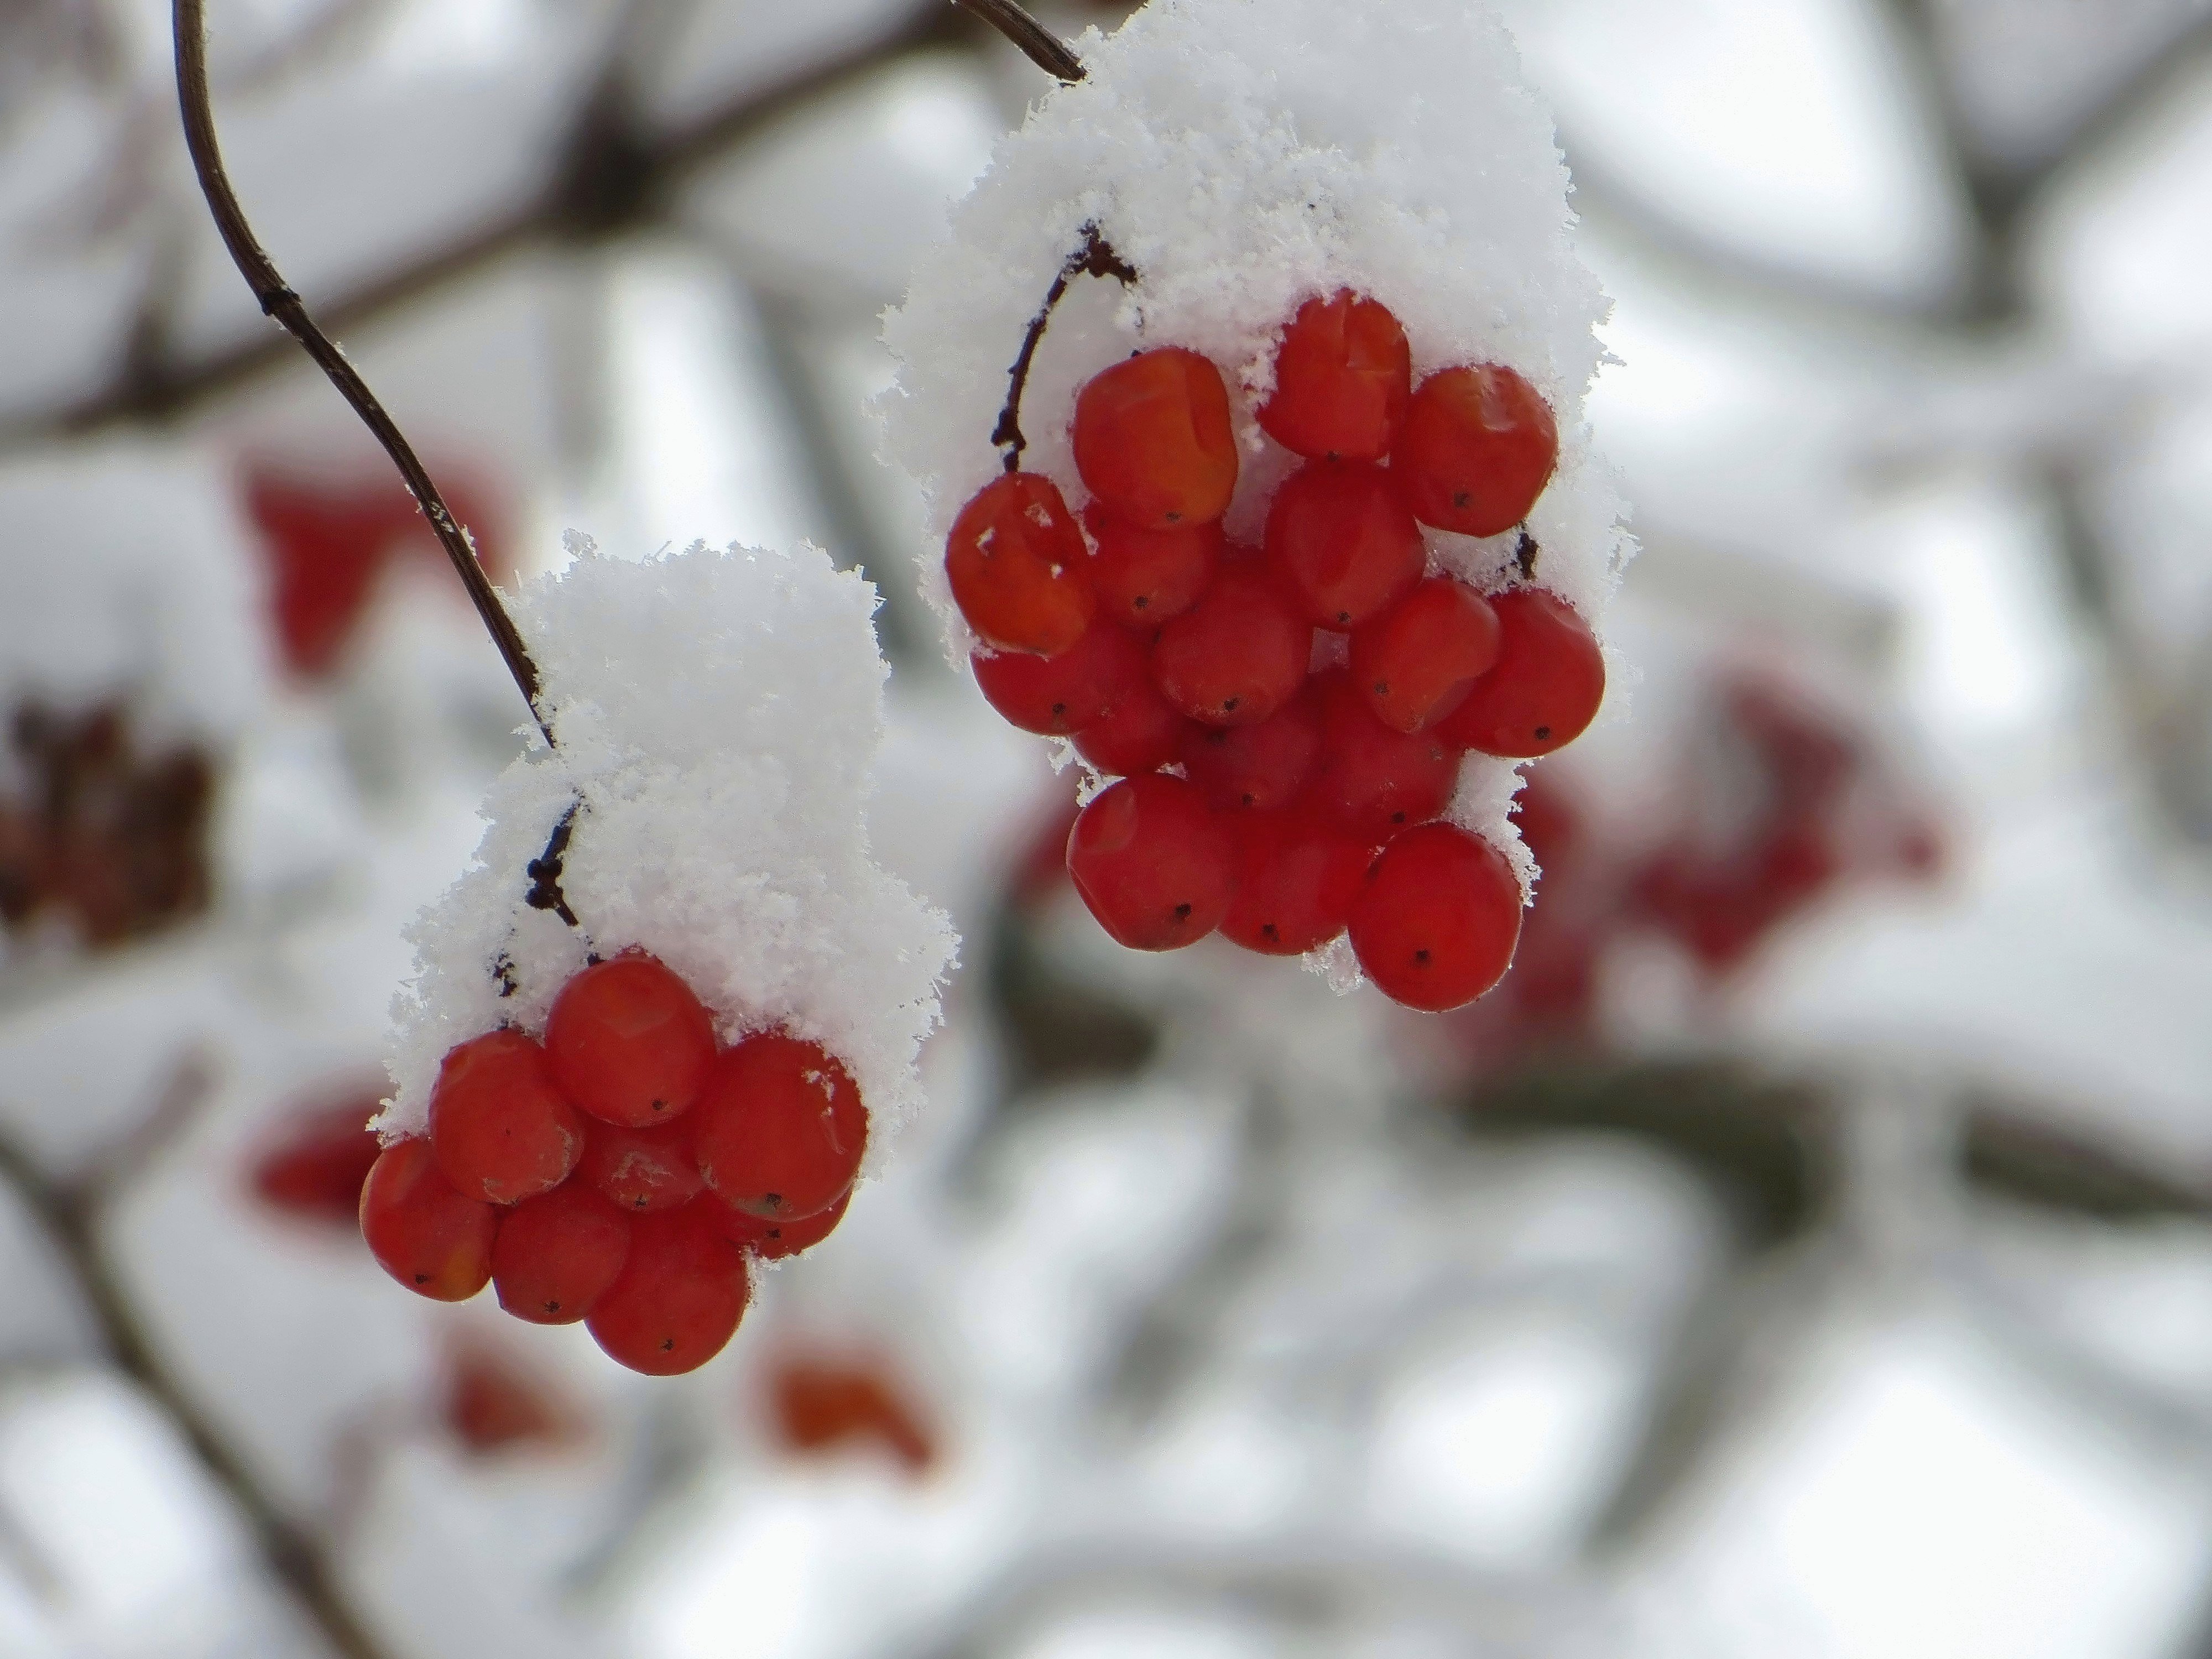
x,y
1244,156
717,716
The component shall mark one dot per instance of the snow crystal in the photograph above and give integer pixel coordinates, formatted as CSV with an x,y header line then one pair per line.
x,y
717,717
1243,157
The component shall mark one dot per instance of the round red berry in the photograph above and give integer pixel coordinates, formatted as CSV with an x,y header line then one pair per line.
x,y
501,1126
1142,732
1152,862
556,1253
1296,879
629,1042
772,1241
1257,767
1143,577
1152,439
422,1230
1056,696
1237,655
781,1128
1344,541
1545,689
1370,780
1017,563
1343,373
681,1292
641,1170
1436,923
1417,661
1478,449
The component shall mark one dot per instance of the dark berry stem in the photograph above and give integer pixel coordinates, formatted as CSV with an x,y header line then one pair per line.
x,y
545,871
1038,44
278,300
1095,257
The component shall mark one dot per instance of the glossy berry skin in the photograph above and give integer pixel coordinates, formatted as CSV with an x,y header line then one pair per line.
x,y
1142,732
1343,540
425,1232
1058,696
680,1295
1478,448
1153,440
1417,661
502,1127
1154,865
1371,781
556,1253
1237,655
1545,689
1436,924
772,1241
629,1042
642,1169
1254,768
782,1128
1297,880
1343,374
1143,577
1017,566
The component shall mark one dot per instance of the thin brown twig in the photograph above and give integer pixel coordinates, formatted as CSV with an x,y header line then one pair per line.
x,y
1038,44
1095,257
278,300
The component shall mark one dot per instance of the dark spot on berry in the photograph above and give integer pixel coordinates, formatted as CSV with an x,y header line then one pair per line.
x,y
1229,704
1059,709
1382,687
1249,799
1460,497
1421,958
1175,517
773,1200
552,1307
1268,928
1140,601
1183,913
1344,616
667,1343
1398,816
660,1105
421,1279
1543,734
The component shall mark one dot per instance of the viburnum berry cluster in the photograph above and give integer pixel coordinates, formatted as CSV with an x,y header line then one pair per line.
x,y
1284,720
625,1172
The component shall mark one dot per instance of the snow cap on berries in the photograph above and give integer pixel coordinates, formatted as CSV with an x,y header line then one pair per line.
x,y
717,714
1244,156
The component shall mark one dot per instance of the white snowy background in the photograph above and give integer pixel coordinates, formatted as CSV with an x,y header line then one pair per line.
x,y
1858,1306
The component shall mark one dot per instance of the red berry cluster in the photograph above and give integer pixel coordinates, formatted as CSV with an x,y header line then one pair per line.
x,y
1286,722
624,1172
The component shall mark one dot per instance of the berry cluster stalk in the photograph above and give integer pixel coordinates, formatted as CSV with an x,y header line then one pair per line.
x,y
280,302
1038,44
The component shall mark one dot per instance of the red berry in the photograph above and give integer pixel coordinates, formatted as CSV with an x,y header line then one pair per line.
x,y
1344,541
1436,925
1152,863
425,1232
628,1040
1142,577
679,1298
1417,661
1343,373
1546,688
317,1168
1478,448
1140,733
1296,882
1235,657
1016,561
1259,767
493,1405
639,1170
499,1125
1370,780
557,1253
772,1241
1152,439
782,1127
1054,697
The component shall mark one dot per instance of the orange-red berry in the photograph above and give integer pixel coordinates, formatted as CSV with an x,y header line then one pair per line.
x,y
1017,564
556,1253
781,1128
1153,440
1372,781
1153,864
1436,922
1343,373
682,1291
1545,689
502,1127
423,1230
1143,577
1255,767
1142,732
641,1170
772,1241
1417,661
628,1040
1297,880
1478,448
1238,654
1343,540
1058,696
